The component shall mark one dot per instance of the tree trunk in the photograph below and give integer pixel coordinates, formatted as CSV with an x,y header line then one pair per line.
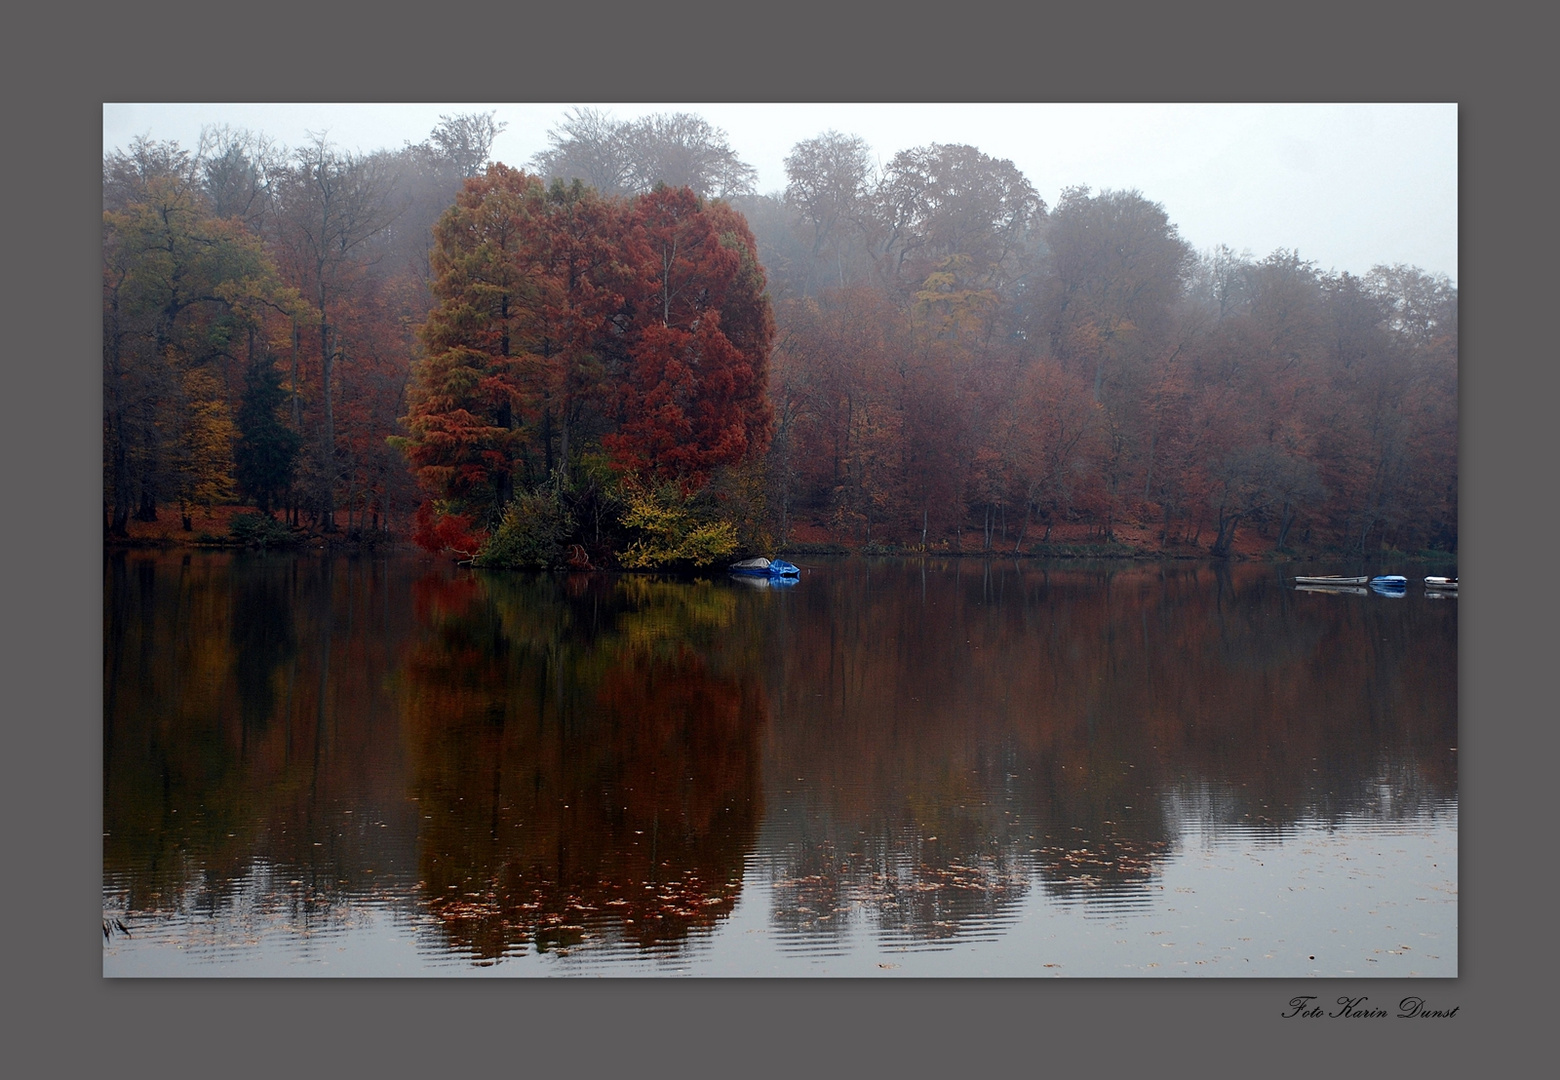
x,y
297,398
563,443
1286,519
114,429
328,428
120,525
147,509
1224,539
547,442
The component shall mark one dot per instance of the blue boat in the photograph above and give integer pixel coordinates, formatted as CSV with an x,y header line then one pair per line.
x,y
767,568
1389,585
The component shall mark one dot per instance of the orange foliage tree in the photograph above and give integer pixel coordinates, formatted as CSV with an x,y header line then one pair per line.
x,y
567,321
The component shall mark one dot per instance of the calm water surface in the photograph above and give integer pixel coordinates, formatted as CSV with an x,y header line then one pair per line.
x,y
355,766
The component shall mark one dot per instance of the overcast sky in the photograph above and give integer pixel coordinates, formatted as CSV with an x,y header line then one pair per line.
x,y
1347,186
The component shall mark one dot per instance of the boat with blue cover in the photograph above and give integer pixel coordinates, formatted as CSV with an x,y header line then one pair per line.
x,y
766,568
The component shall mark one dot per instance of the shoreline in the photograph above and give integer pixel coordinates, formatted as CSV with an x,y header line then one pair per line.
x,y
210,531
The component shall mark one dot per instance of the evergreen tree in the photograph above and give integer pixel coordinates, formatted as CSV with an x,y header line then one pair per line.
x,y
267,449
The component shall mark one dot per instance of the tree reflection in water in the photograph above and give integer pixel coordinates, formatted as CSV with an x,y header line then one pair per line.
x,y
586,759
251,758
888,755
956,730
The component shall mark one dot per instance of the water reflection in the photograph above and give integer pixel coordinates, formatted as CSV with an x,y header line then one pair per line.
x,y
890,755
246,730
963,728
586,759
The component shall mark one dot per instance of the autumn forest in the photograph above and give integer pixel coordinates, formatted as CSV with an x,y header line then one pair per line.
x,y
621,354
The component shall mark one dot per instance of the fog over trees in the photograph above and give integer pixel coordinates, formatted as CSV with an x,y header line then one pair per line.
x,y
621,345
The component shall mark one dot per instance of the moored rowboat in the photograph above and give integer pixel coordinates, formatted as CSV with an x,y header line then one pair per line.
x,y
1441,583
765,568
1332,579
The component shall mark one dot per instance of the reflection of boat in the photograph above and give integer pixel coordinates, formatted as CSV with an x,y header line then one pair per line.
x,y
769,568
754,581
1441,584
1332,579
1356,590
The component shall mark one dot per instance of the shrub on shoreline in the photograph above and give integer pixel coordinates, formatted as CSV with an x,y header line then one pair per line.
x,y
262,530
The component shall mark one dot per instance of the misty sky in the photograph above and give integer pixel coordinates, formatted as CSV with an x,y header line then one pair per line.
x,y
1347,186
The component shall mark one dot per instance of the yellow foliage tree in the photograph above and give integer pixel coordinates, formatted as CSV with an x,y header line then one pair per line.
x,y
673,529
205,474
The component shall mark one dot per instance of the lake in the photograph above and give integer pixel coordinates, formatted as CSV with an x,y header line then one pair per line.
x,y
320,765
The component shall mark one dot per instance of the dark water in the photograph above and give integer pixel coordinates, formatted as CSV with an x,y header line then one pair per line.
x,y
318,766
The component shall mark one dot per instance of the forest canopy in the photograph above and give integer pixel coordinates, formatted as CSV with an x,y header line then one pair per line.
x,y
623,354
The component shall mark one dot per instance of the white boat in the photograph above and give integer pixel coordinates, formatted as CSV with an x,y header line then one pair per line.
x,y
1332,579
1441,584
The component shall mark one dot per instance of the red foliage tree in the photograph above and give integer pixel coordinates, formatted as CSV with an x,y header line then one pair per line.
x,y
564,320
692,397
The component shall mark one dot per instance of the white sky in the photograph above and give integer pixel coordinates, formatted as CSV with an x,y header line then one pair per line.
x,y
1347,186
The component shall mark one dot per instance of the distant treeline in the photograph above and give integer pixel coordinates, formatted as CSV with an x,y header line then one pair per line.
x,y
586,357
